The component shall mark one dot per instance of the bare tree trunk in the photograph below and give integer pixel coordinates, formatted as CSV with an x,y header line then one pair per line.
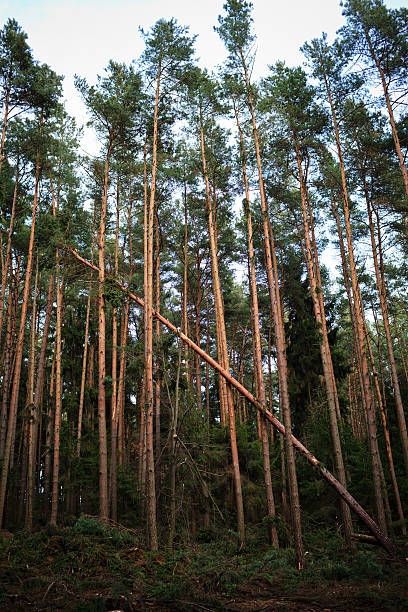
x,y
226,393
273,285
366,389
385,428
85,353
48,439
207,368
259,377
58,398
157,332
20,340
173,451
32,413
148,322
312,266
197,330
9,347
113,494
8,250
103,453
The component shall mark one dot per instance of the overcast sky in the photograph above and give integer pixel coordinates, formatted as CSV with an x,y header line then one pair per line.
x,y
81,36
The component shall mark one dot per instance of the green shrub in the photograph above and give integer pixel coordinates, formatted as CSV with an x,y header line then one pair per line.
x,y
86,525
365,566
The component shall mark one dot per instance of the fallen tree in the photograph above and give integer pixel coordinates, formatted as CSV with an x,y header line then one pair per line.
x,y
381,538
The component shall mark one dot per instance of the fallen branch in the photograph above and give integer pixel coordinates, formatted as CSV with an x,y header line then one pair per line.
x,y
341,490
364,537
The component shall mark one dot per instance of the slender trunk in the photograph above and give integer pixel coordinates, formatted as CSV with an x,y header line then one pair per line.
x,y
20,341
173,451
41,370
103,453
157,332
402,426
273,285
123,343
226,392
58,398
8,250
113,493
197,331
85,353
148,323
9,346
366,389
385,428
48,439
207,367
185,287
312,265
31,412
259,377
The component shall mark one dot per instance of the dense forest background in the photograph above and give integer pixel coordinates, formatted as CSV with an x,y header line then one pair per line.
x,y
215,200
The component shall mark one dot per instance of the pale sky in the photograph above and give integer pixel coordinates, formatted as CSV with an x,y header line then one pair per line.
x,y
81,36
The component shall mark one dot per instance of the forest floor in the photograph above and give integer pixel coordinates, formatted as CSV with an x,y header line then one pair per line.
x,y
88,567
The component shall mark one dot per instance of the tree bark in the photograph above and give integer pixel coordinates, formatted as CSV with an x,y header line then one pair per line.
x,y
103,453
273,534
273,285
366,388
58,397
226,394
20,340
312,266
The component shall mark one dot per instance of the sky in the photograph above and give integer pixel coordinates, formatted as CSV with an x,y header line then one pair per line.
x,y
81,36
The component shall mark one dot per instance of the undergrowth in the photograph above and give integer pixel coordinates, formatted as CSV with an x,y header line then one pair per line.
x,y
91,560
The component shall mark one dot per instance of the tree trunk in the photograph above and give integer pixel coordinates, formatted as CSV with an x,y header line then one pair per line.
x,y
32,413
148,323
9,347
85,353
312,265
8,250
273,285
366,389
20,340
58,398
103,454
226,393
273,534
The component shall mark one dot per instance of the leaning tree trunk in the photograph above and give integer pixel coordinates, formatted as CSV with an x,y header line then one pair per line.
x,y
342,492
